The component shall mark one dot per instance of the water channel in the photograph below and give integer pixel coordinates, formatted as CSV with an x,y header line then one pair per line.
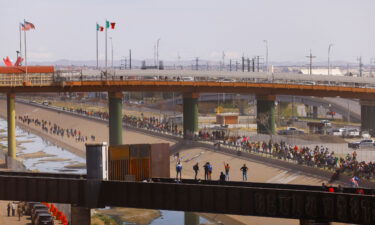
x,y
40,155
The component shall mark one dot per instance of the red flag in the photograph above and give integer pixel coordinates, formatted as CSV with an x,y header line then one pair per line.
x,y
101,28
18,63
113,25
7,61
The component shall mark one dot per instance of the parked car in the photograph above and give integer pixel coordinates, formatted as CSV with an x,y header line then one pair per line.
x,y
338,131
290,131
226,80
326,123
37,207
351,132
149,78
35,214
29,207
361,144
44,219
187,79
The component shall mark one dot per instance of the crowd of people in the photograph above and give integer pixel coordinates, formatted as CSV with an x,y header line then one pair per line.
x,y
14,208
55,129
318,156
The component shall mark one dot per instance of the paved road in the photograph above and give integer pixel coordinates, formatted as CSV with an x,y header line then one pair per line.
x,y
12,220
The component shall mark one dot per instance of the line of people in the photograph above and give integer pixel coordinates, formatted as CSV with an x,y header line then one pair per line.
x,y
55,129
207,167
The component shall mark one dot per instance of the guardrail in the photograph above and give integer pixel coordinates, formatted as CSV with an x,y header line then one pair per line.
x,y
14,80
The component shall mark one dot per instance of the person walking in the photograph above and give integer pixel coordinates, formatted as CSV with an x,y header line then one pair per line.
x,y
244,172
13,208
206,170
222,177
196,170
178,170
227,168
19,212
209,171
8,208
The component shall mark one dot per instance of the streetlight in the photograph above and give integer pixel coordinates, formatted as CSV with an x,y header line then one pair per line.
x,y
329,65
157,53
265,41
110,38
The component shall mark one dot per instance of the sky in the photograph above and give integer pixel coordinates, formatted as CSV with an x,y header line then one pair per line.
x,y
66,29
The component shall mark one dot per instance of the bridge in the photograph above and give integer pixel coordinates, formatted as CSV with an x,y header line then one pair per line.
x,y
190,83
242,198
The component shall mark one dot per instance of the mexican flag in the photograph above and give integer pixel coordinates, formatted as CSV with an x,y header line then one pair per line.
x,y
99,28
110,24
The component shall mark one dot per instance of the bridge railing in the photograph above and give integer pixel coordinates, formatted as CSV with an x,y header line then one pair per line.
x,y
34,79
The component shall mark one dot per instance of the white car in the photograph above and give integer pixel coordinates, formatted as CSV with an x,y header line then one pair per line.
x,y
351,132
326,123
187,79
226,80
338,131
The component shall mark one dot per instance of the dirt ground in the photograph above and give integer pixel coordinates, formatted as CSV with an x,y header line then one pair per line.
x,y
258,172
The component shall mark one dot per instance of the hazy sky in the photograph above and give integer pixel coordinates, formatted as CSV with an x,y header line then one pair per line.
x,y
65,29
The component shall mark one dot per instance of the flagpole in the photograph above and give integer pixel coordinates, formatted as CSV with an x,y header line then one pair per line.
x,y
97,51
106,47
20,42
24,32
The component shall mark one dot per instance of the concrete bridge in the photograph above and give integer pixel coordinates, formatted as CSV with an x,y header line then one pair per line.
x,y
266,87
309,204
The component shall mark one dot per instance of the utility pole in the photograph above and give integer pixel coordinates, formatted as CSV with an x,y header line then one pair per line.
x,y
257,63
157,53
230,64
310,57
248,65
253,64
329,64
130,59
196,63
265,41
243,64
223,60
360,65
179,59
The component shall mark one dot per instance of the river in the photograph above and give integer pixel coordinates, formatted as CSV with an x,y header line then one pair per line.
x,y
55,159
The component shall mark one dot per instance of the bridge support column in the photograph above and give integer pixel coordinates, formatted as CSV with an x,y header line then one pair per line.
x,y
266,114
190,114
367,116
80,215
315,112
11,117
115,117
241,107
191,218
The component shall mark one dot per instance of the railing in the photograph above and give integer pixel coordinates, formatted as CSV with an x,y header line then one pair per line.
x,y
14,80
